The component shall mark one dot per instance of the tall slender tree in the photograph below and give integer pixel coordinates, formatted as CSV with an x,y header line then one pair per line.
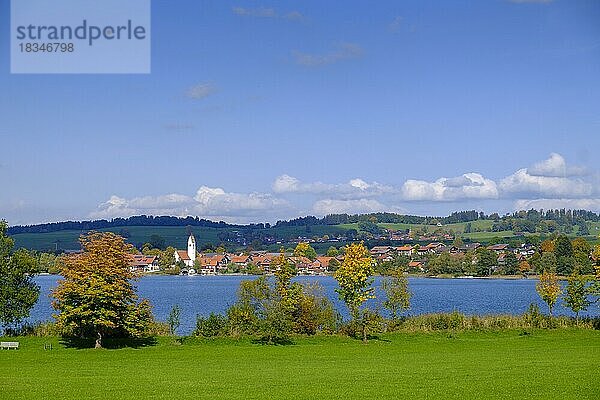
x,y
549,289
18,292
576,293
355,281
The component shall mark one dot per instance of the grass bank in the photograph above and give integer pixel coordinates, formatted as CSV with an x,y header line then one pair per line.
x,y
543,364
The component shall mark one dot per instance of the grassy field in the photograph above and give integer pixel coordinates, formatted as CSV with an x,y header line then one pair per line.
x,y
458,228
559,364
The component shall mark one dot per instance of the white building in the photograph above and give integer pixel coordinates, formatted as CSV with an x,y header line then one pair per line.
x,y
188,257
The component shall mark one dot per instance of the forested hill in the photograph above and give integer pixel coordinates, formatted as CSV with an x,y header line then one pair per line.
x,y
526,221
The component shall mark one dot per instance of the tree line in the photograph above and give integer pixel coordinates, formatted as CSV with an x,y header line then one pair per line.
x,y
524,221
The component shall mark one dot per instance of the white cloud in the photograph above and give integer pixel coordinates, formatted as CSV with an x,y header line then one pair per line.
x,y
357,206
548,179
214,203
467,186
547,204
523,184
201,91
343,51
353,189
171,204
555,166
551,183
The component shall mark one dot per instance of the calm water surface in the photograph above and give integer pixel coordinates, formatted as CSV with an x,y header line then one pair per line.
x,y
201,295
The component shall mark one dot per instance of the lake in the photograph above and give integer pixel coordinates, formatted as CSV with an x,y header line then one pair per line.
x,y
201,295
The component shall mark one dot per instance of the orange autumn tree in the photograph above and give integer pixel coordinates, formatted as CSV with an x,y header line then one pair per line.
x,y
524,267
96,298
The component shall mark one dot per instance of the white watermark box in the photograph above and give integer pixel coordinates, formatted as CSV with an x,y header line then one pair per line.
x,y
80,36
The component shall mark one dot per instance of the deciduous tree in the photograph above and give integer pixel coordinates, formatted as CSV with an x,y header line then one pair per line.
x,y
96,296
576,293
524,267
354,277
486,259
549,289
548,262
332,252
18,293
304,249
547,246
397,293
511,263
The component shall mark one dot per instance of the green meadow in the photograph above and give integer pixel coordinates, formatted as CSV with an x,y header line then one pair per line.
x,y
539,364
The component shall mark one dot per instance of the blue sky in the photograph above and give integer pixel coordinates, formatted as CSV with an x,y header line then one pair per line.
x,y
256,111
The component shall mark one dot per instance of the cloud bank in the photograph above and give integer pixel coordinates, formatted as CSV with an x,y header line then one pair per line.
x,y
550,183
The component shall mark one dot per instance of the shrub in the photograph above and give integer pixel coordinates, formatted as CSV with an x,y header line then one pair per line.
x,y
314,313
214,325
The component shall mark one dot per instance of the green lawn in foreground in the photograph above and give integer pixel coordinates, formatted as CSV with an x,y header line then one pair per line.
x,y
559,364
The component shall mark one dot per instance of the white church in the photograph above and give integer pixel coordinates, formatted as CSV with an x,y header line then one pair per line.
x,y
188,257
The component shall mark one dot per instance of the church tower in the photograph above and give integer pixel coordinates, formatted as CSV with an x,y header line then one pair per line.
x,y
191,250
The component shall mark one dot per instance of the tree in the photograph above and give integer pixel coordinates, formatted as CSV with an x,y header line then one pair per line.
x,y
549,289
370,226
510,263
166,259
596,255
468,227
333,264
524,268
157,241
486,259
397,293
563,247
220,250
280,311
458,242
354,277
581,254
332,252
564,255
576,294
548,263
18,292
547,246
96,297
444,263
583,229
174,319
304,249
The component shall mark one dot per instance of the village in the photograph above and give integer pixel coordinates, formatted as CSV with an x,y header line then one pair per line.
x,y
416,257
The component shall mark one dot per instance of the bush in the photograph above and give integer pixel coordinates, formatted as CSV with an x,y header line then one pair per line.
x,y
214,325
533,317
314,313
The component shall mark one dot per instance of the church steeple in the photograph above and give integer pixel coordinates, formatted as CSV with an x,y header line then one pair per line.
x,y
191,250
